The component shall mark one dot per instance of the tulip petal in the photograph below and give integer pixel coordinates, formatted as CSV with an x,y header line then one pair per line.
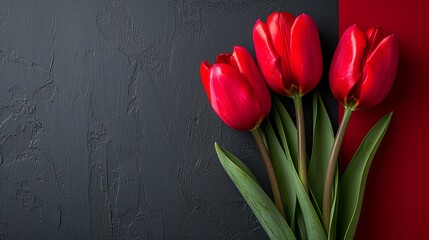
x,y
233,98
346,67
242,59
205,77
306,54
268,59
374,35
224,58
279,26
379,73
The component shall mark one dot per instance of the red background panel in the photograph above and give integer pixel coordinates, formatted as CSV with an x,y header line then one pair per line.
x,y
396,204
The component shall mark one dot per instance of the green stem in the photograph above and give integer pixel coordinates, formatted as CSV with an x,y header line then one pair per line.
x,y
302,157
333,159
270,171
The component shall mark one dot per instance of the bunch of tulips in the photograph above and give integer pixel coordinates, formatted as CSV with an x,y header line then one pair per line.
x,y
311,200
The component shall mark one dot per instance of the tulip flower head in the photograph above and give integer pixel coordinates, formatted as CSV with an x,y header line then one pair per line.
x,y
288,53
236,89
363,67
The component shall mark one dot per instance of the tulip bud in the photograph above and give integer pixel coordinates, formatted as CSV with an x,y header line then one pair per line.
x,y
288,53
363,67
236,90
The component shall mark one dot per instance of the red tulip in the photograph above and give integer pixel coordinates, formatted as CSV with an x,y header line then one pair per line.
x,y
288,53
363,67
236,89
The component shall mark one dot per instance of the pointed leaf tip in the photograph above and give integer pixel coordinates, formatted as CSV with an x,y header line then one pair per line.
x,y
262,206
353,182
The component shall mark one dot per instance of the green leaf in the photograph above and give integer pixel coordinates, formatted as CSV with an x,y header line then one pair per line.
x,y
285,168
290,140
262,206
287,190
239,163
323,139
332,233
281,131
264,139
352,183
300,223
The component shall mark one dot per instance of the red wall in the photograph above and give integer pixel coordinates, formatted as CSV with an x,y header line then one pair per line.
x,y
396,204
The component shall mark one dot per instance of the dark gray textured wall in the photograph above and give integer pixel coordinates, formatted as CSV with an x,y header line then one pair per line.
x,y
105,131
